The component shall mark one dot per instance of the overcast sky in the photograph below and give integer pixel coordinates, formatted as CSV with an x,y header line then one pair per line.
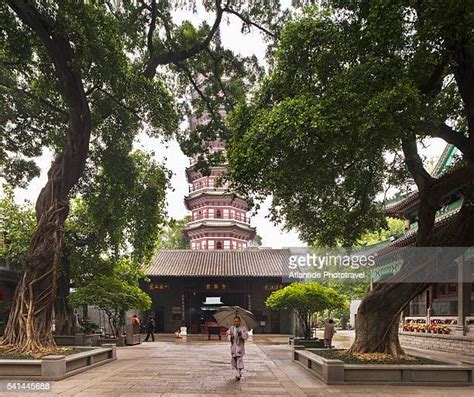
x,y
176,161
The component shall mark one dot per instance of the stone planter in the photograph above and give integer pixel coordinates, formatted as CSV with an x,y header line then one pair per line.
x,y
57,367
120,342
77,340
337,372
308,343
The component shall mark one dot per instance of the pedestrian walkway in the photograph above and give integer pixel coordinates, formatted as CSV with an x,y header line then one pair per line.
x,y
202,368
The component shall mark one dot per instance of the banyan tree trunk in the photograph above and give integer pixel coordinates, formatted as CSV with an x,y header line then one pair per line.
x,y
29,324
378,316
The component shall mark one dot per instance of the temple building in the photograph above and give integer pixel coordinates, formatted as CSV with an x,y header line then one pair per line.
x,y
186,286
442,317
221,266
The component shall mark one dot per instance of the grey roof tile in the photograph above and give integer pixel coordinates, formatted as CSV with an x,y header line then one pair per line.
x,y
232,263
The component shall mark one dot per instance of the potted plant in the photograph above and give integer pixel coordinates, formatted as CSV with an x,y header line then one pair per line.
x,y
445,329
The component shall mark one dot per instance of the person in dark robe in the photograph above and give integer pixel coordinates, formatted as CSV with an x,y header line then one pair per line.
x,y
150,329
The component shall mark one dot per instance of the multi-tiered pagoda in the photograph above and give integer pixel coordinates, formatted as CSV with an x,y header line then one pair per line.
x,y
219,217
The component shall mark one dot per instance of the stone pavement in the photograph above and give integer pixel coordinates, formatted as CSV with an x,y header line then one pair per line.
x,y
198,367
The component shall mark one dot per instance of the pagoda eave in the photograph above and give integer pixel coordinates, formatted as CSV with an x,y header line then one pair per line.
x,y
225,226
212,194
192,174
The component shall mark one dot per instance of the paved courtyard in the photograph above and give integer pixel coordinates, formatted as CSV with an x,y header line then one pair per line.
x,y
198,367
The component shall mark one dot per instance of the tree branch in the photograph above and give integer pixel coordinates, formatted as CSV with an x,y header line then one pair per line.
x,y
415,164
455,138
216,75
434,83
464,75
180,54
249,22
152,27
121,104
189,75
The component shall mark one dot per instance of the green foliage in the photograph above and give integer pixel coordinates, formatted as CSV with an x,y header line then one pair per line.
x,y
17,224
257,240
306,300
126,201
172,236
115,293
357,289
222,79
323,132
119,216
107,42
394,227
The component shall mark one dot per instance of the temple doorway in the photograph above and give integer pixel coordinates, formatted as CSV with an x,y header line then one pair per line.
x,y
202,306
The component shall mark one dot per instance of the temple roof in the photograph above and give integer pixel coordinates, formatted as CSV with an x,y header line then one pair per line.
x,y
398,208
232,263
409,238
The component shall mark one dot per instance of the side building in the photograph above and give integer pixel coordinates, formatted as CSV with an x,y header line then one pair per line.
x,y
441,317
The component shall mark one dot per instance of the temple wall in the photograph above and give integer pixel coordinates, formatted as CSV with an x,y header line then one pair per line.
x,y
281,319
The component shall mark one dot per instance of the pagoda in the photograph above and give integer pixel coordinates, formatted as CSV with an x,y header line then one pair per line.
x,y
219,216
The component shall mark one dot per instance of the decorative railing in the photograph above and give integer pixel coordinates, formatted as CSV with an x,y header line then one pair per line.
x,y
193,189
228,218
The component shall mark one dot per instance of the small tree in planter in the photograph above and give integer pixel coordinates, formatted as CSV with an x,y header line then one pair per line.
x,y
306,300
114,294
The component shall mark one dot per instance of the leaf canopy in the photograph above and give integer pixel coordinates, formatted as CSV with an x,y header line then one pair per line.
x,y
350,83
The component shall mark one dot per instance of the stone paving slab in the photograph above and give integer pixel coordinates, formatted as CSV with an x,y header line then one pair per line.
x,y
202,368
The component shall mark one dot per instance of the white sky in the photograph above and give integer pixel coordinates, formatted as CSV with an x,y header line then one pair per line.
x,y
176,161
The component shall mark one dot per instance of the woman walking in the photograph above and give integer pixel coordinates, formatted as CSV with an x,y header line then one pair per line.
x,y
237,335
